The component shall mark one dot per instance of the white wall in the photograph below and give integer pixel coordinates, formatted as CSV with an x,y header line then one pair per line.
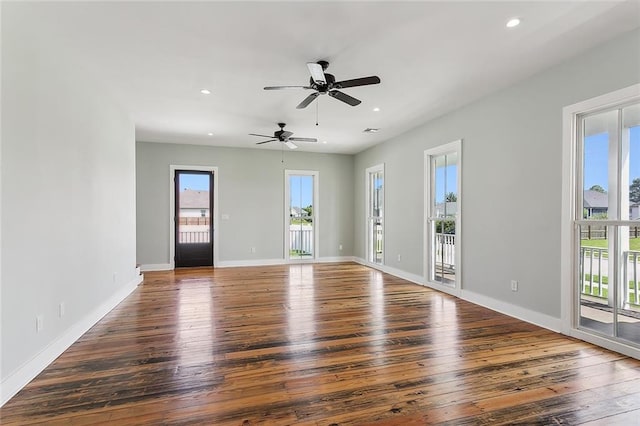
x,y
68,205
511,178
251,194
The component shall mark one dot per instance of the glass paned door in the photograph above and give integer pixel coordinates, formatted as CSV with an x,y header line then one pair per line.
x,y
193,224
375,214
442,208
301,210
609,240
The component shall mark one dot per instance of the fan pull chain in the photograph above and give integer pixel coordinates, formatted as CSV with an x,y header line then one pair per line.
x,y
317,106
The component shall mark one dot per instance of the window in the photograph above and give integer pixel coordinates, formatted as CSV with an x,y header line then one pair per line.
x,y
602,304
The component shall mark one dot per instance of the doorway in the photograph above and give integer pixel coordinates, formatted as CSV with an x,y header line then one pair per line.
x,y
442,212
375,214
193,218
301,214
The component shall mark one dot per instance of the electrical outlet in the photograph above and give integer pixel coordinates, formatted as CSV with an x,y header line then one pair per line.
x,y
514,285
115,277
39,323
340,247
399,258
253,249
61,309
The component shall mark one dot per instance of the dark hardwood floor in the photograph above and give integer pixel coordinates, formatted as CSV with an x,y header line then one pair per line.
x,y
325,344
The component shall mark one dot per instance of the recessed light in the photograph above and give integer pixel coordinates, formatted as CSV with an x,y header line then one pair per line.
x,y
205,91
376,109
513,22
370,130
324,141
209,134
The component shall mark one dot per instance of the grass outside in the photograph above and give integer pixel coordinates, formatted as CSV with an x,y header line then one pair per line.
x,y
634,244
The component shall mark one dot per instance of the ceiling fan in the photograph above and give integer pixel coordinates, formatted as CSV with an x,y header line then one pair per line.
x,y
326,84
283,136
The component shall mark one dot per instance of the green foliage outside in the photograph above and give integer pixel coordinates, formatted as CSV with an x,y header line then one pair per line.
x,y
634,191
445,227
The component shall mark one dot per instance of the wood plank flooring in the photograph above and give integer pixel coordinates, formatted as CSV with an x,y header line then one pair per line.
x,y
325,344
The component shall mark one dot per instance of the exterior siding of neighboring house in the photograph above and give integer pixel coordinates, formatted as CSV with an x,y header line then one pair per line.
x,y
194,203
450,206
596,203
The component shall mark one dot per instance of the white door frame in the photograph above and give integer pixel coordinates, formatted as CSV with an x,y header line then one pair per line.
x,y
172,210
570,196
287,212
368,239
451,147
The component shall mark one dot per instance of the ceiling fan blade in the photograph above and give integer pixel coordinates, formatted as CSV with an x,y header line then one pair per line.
x,y
317,73
291,145
304,139
287,87
364,81
308,100
270,140
344,97
285,134
262,136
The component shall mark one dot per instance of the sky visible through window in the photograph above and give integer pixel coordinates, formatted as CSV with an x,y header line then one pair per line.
x,y
198,182
448,175
596,158
301,189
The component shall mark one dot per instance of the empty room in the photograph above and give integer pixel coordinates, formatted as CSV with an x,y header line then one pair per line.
x,y
193,233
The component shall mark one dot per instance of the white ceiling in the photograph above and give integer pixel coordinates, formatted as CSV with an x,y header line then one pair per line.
x,y
432,57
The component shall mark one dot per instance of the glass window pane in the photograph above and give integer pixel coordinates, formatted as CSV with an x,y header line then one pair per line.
x,y
593,281
629,295
598,132
194,216
446,185
376,213
301,216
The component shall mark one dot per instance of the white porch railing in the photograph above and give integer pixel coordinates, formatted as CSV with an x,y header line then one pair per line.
x,y
301,241
594,274
446,250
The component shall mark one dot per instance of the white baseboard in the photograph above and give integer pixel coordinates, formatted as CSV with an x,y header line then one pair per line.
x,y
256,262
416,279
150,267
524,314
527,315
19,379
268,262
335,259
